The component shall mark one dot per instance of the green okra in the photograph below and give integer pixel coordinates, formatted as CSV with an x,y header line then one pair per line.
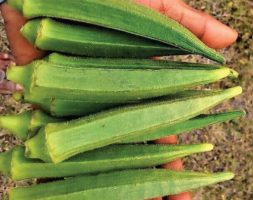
x,y
117,63
93,41
130,184
117,157
196,123
26,124
121,15
115,86
60,141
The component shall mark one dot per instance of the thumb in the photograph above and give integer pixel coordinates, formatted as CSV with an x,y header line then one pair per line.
x,y
212,32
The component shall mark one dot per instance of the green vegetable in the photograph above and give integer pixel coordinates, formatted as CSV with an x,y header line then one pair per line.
x,y
101,85
120,15
117,63
26,124
60,141
188,125
132,185
93,41
110,158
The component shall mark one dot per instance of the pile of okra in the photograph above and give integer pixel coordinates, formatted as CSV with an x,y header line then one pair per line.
x,y
101,101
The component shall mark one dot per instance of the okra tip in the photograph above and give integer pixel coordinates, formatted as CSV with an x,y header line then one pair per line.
x,y
5,163
233,74
207,147
225,176
235,90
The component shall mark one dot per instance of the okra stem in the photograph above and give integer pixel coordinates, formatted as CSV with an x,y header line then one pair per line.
x,y
18,124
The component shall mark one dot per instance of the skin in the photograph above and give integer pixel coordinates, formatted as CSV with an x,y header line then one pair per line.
x,y
208,29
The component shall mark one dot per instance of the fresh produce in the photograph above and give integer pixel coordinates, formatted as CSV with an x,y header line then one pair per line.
x,y
121,15
60,141
101,85
111,158
126,63
186,126
131,184
26,124
93,41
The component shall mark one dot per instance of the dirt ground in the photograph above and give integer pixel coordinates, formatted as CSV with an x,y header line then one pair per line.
x,y
233,141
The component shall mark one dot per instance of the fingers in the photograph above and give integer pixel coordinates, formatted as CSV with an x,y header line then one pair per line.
x,y
182,196
208,29
6,60
8,87
175,165
23,52
6,56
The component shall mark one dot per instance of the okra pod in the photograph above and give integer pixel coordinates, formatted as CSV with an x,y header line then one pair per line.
x,y
117,157
92,41
60,141
130,184
120,15
101,85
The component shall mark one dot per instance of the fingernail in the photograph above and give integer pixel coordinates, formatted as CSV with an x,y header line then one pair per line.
x,y
19,87
5,56
13,63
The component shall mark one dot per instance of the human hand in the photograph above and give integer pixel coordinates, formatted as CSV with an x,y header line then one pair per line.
x,y
212,32
23,52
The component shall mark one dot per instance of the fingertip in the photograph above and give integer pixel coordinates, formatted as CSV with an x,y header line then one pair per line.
x,y
218,35
182,196
174,165
172,139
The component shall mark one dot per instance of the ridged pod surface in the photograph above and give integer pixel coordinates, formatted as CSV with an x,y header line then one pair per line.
x,y
121,15
188,125
92,41
133,184
60,141
111,158
105,85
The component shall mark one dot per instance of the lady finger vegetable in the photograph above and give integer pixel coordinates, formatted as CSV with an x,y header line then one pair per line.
x,y
110,158
60,141
121,15
101,85
117,63
93,41
133,184
25,124
188,125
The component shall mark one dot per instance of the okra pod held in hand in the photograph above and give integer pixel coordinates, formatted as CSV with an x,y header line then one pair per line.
x,y
133,184
121,15
60,141
107,85
111,158
92,41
